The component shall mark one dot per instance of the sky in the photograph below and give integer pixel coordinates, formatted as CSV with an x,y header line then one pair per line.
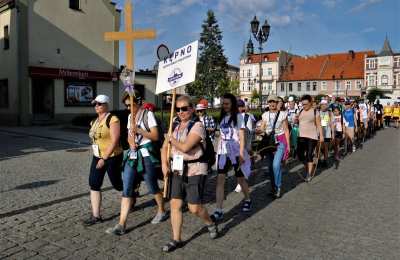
x,y
302,27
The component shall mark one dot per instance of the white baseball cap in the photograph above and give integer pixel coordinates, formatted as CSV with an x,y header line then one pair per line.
x,y
291,99
101,99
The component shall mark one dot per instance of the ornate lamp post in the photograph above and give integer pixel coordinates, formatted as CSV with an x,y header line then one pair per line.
x,y
261,35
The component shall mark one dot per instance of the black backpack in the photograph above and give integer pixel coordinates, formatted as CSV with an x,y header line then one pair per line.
x,y
208,152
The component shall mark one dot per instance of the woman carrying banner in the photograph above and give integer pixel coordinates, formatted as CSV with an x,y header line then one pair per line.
x,y
188,171
231,152
107,155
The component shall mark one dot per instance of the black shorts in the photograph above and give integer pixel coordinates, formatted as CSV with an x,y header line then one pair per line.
x,y
327,140
305,149
113,168
339,135
228,166
192,191
379,116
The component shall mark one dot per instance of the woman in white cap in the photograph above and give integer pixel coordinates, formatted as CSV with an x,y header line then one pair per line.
x,y
107,155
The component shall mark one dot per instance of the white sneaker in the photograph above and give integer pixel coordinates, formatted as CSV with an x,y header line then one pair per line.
x,y
354,148
238,188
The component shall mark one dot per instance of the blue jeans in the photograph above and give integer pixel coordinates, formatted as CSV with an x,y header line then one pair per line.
x,y
131,179
274,166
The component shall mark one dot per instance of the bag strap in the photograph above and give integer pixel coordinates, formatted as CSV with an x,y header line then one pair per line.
x,y
275,120
108,120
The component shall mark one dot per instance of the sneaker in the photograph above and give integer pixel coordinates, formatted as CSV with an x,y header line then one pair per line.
x,y
354,148
213,231
217,216
92,220
160,217
278,194
238,188
308,178
172,246
117,230
246,206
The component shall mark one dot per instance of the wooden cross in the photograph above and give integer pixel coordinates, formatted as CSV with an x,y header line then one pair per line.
x,y
129,35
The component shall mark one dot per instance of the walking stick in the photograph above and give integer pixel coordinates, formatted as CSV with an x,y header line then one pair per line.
x,y
166,177
316,160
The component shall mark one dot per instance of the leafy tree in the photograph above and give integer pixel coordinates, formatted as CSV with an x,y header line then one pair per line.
x,y
255,96
211,80
374,93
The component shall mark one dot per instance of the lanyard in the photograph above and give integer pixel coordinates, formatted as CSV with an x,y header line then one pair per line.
x,y
95,127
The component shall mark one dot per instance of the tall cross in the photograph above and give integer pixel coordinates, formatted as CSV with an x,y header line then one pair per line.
x,y
129,35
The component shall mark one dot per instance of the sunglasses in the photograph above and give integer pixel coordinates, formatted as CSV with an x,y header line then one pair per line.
x,y
128,105
98,104
272,101
182,109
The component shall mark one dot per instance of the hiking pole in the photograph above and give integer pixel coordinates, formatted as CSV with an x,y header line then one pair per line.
x,y
171,118
316,160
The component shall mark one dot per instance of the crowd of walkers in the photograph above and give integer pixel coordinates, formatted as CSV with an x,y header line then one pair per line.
x,y
198,144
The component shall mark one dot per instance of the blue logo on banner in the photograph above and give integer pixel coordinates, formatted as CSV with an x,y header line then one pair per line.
x,y
175,76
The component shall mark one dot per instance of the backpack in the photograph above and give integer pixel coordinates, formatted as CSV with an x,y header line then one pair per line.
x,y
208,151
160,129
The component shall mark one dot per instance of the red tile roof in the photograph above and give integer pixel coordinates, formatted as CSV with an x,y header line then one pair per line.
x,y
270,56
348,65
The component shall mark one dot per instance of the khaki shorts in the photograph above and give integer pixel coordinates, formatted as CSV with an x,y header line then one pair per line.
x,y
350,132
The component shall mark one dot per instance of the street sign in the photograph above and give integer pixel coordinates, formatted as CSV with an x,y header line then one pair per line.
x,y
178,69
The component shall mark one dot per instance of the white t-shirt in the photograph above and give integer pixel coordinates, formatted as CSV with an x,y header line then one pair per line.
x,y
228,132
151,123
363,110
269,118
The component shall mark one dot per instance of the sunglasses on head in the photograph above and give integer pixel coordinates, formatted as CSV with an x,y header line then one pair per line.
x,y
182,109
98,104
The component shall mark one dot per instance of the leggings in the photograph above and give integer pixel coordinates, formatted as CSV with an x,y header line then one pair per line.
x,y
113,168
305,149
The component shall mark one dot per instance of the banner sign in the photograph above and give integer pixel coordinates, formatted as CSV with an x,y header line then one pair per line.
x,y
178,69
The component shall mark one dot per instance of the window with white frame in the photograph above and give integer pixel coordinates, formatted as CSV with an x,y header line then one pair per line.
x,y
243,87
269,72
243,73
396,63
314,86
308,86
269,86
384,79
290,87
299,86
282,87
358,84
323,85
371,80
74,4
348,85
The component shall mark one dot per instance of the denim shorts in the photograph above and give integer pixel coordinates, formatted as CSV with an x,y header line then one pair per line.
x,y
131,179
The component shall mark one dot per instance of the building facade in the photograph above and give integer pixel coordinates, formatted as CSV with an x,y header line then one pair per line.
x,y
54,60
337,74
272,64
382,71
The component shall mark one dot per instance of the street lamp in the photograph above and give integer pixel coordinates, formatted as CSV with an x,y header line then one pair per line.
x,y
261,35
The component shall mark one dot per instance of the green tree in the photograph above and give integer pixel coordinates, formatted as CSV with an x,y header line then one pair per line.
x,y
374,93
234,87
255,96
211,80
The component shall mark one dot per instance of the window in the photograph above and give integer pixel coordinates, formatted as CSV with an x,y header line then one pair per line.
x,y
371,64
394,80
397,62
308,86
323,85
371,80
74,4
290,87
314,86
269,71
337,85
282,87
242,73
243,87
6,38
348,85
4,93
358,84
248,73
384,80
269,86
299,86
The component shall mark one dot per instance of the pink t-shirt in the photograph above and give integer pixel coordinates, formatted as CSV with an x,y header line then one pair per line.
x,y
180,134
307,127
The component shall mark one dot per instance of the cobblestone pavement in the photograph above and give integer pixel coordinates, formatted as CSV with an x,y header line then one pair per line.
x,y
349,213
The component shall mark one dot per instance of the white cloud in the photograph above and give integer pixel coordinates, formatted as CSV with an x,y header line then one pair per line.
x,y
369,30
330,3
364,4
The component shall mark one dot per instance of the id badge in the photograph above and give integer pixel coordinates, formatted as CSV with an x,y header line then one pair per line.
x,y
96,150
133,155
177,163
145,152
324,123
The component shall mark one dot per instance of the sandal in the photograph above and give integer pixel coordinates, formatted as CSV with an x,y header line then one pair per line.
x,y
171,246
